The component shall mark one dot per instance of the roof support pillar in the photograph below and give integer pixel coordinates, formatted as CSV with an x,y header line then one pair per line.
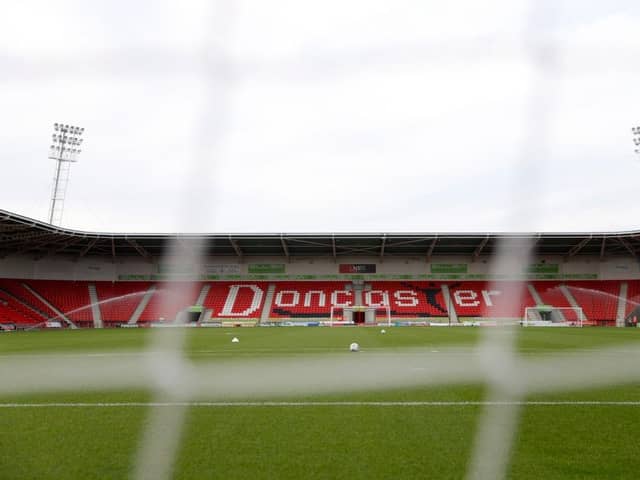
x,y
86,249
236,247
333,247
479,248
285,248
576,248
143,253
626,245
431,248
602,246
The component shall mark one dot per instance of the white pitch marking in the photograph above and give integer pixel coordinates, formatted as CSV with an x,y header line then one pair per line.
x,y
542,403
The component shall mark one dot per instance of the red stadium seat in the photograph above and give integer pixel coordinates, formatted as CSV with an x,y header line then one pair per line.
x,y
501,299
118,300
309,299
241,300
71,298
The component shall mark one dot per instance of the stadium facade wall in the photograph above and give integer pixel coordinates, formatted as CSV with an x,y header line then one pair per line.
x,y
322,268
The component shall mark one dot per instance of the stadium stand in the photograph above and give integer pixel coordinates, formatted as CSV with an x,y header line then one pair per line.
x,y
489,299
118,300
22,294
308,299
32,248
71,298
12,311
236,299
599,300
408,299
165,305
551,294
633,297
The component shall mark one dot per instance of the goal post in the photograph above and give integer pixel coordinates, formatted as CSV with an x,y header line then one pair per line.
x,y
362,315
550,316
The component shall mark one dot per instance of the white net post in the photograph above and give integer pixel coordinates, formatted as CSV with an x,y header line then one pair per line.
x,y
387,315
336,314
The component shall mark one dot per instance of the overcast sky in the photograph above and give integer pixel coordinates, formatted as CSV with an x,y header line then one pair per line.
x,y
292,116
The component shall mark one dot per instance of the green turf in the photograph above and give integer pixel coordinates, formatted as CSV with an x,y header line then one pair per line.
x,y
577,442
362,442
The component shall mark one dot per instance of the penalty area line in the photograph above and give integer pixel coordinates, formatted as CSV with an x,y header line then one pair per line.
x,y
542,403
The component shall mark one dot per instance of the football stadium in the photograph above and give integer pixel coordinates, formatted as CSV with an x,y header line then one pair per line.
x,y
252,346
319,240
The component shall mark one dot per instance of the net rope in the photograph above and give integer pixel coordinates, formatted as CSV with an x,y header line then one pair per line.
x,y
179,383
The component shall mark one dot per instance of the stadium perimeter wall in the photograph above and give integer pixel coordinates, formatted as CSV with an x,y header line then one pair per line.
x,y
309,268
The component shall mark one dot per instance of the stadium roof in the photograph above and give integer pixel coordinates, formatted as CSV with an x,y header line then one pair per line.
x,y
22,235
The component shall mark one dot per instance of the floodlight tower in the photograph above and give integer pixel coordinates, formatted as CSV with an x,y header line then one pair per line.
x,y
636,138
65,150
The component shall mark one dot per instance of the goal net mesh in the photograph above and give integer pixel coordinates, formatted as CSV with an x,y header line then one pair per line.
x,y
378,315
543,316
176,381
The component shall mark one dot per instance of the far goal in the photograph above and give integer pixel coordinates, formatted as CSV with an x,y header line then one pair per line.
x,y
550,316
380,315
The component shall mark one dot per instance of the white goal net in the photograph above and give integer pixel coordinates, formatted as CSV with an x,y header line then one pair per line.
x,y
364,315
550,316
542,60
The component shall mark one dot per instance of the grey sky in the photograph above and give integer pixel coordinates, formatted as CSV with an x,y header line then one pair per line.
x,y
337,116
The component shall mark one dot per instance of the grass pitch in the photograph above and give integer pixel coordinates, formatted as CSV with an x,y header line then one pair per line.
x,y
311,440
